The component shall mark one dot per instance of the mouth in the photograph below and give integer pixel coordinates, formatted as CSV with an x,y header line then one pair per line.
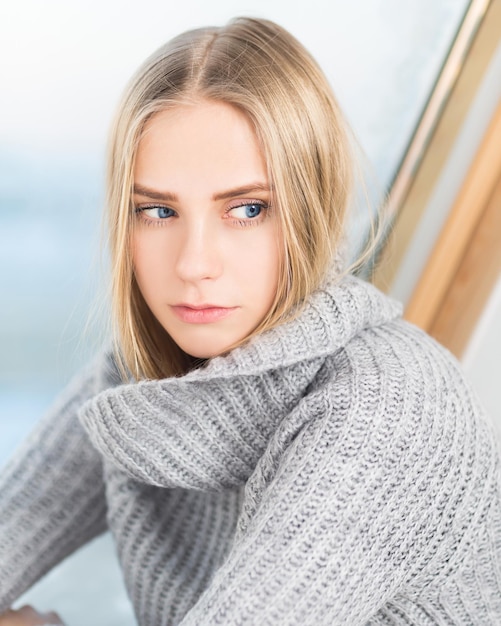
x,y
201,314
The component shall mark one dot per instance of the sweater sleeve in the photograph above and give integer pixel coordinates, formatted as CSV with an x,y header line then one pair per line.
x,y
169,542
202,432
51,492
376,497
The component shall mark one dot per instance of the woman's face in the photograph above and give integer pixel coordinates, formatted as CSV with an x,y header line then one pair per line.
x,y
206,248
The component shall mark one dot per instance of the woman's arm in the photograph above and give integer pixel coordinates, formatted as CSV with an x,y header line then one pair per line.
x,y
52,497
28,616
169,541
203,431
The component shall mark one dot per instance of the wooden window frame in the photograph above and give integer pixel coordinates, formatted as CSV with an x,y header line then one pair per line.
x,y
433,140
466,260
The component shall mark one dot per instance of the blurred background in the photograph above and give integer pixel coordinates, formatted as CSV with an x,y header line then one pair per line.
x,y
419,81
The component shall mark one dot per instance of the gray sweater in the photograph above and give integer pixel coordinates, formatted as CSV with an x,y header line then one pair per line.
x,y
335,470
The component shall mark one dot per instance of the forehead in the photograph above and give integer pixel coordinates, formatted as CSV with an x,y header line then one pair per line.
x,y
207,142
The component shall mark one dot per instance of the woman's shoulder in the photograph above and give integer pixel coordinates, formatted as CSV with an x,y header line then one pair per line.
x,y
403,378
394,408
391,427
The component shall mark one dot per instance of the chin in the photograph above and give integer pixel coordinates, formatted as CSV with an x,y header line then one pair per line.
x,y
206,343
204,352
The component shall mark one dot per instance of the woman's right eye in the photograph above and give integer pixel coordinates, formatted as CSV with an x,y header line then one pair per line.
x,y
155,212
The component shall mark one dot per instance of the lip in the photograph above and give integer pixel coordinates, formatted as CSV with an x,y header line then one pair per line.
x,y
202,313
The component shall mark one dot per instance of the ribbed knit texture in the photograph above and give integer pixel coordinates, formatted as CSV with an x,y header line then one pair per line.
x,y
336,470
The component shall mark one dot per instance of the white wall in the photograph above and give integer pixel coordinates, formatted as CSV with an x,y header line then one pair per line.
x,y
482,358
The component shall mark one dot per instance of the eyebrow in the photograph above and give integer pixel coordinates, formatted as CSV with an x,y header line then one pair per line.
x,y
166,196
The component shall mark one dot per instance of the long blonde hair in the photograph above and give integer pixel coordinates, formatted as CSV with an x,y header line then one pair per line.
x,y
263,70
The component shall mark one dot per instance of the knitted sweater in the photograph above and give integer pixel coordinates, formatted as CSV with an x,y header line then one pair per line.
x,y
335,470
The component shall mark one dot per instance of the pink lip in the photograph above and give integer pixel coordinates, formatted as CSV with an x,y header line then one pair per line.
x,y
202,314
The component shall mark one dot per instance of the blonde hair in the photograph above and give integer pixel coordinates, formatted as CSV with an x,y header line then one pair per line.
x,y
263,70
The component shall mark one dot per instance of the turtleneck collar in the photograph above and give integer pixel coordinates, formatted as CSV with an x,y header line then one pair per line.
x,y
208,429
331,317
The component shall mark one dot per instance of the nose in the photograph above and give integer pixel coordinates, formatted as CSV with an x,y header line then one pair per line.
x,y
199,256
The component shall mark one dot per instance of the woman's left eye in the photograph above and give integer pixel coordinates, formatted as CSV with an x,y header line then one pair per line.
x,y
155,212
247,211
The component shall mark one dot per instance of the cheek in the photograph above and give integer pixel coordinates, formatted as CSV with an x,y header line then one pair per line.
x,y
146,262
259,267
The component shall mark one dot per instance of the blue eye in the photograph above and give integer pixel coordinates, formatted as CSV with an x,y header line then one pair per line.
x,y
247,211
157,212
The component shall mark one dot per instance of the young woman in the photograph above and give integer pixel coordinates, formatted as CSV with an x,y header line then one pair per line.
x,y
269,442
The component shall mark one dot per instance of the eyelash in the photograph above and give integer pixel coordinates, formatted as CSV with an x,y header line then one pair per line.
x,y
149,221
244,223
